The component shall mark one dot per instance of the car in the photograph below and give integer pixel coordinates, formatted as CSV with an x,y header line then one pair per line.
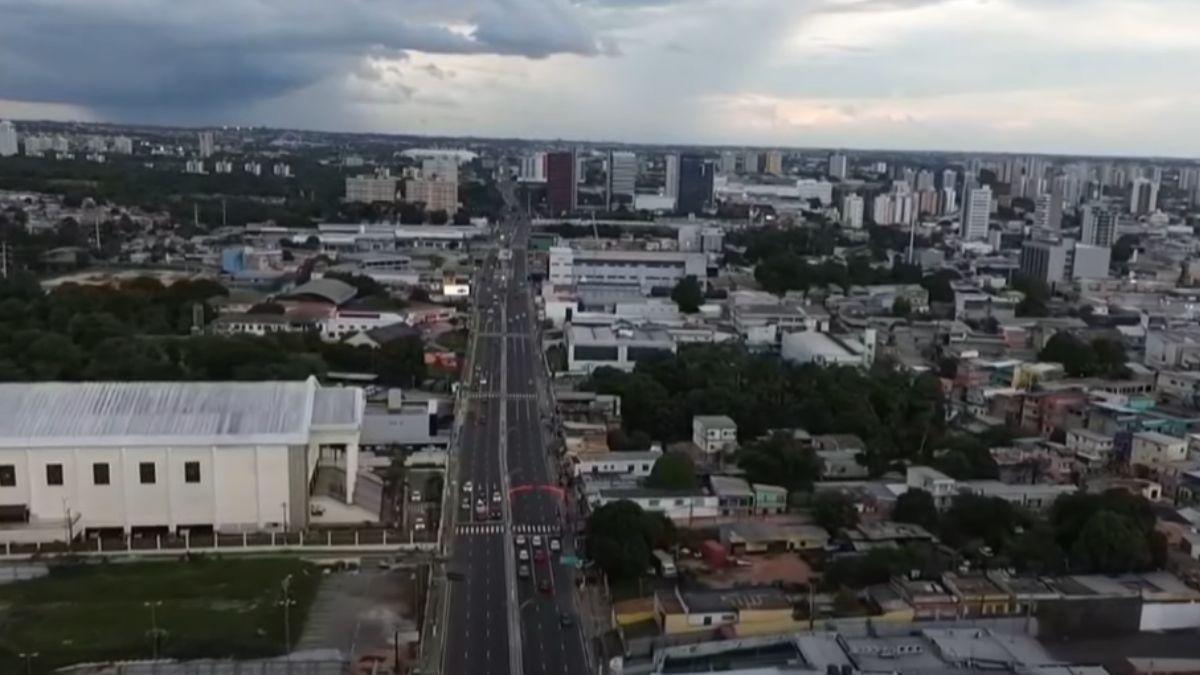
x,y
523,555
539,555
523,571
466,503
419,524
537,540
415,495
495,512
480,507
496,496
566,620
520,540
555,545
467,487
544,585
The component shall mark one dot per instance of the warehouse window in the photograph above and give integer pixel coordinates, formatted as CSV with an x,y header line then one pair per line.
x,y
191,472
146,472
8,475
100,473
54,474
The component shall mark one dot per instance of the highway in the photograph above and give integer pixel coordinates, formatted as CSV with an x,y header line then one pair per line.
x,y
513,609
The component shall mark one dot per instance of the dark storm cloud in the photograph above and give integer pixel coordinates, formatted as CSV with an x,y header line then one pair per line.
x,y
176,54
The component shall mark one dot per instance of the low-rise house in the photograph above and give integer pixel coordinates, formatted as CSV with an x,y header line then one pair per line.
x,y
978,596
1036,497
748,611
681,506
940,486
714,434
769,500
752,536
376,338
886,534
735,497
929,599
1150,448
632,464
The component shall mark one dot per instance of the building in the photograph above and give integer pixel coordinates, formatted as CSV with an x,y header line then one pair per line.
x,y
9,141
976,213
671,177
750,162
281,170
838,166
644,270
941,487
1143,196
533,168
695,185
774,162
1150,448
622,178
1099,225
1090,262
440,167
616,464
370,189
561,192
1045,261
681,506
206,144
729,161
852,211
714,434
436,195
171,456
618,346
829,350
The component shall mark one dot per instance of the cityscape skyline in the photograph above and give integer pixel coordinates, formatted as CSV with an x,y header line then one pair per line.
x,y
867,74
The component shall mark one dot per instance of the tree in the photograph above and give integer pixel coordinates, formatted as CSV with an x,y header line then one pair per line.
x,y
990,520
439,217
834,511
1111,544
1037,294
621,537
1124,247
780,459
901,308
918,508
688,295
1076,357
673,471
461,217
401,362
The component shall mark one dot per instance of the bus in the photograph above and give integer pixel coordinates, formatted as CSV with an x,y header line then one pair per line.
x,y
665,564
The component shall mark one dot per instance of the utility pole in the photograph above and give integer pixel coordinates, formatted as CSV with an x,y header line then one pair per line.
x,y
155,633
287,603
4,260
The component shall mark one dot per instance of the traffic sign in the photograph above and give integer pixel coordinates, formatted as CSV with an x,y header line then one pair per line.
x,y
571,561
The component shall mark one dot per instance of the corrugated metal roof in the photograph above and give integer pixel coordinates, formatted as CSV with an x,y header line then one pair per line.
x,y
334,290
338,406
70,414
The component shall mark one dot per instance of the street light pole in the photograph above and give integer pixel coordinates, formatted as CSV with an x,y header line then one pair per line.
x,y
154,631
287,603
29,657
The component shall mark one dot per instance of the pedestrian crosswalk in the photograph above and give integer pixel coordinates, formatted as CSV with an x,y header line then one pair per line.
x,y
535,528
494,395
498,528
480,528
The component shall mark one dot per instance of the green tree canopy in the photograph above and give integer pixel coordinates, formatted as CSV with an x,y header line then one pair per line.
x,y
834,511
781,460
688,295
673,471
621,537
918,508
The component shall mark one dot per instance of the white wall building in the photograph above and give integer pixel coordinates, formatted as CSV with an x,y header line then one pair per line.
x,y
370,189
681,507
852,211
533,168
206,144
617,464
231,456
1151,448
644,269
714,434
617,346
8,139
976,214
838,167
829,350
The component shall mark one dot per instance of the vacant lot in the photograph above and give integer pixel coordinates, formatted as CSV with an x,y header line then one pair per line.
x,y
102,611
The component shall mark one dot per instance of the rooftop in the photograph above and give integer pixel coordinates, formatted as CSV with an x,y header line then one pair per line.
x,y
607,335
333,290
715,421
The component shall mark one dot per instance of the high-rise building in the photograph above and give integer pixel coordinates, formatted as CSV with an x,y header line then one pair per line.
x,y
929,201
1143,196
750,162
949,179
1099,225
561,190
695,185
440,168
729,161
774,163
281,170
671,176
206,143
976,213
881,209
533,168
122,145
949,200
852,211
1045,261
1090,262
370,189
1048,206
924,180
622,178
8,139
435,194
252,168
838,166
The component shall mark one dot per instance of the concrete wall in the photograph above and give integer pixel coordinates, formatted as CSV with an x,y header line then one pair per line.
x,y
1170,616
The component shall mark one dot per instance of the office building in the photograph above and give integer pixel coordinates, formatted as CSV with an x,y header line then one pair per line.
x,y
622,178
645,270
1045,261
924,180
695,185
1090,262
370,189
168,456
976,214
852,211
207,145
436,195
619,346
1047,212
8,139
750,162
671,176
949,200
533,168
1099,225
774,162
838,166
729,161
1143,196
949,179
561,192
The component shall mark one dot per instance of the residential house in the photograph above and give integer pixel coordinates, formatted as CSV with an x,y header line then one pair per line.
x,y
769,499
978,595
735,497
929,599
714,434
940,486
751,536
747,611
1150,448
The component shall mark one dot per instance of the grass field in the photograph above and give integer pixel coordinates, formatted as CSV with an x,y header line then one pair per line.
x,y
97,612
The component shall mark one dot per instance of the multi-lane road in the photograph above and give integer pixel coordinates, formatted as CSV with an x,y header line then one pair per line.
x,y
512,608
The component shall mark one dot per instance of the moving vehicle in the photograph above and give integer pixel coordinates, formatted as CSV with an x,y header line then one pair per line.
x,y
523,555
496,496
544,585
467,487
466,503
480,507
523,571
566,620
418,524
539,555
537,540
520,540
555,545
415,495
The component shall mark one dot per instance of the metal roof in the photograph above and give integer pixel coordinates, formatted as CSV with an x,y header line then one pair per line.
x,y
334,290
133,414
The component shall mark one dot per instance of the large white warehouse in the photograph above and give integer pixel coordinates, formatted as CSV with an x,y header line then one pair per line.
x,y
155,456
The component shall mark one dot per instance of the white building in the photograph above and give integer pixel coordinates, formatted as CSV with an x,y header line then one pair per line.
x,y
976,214
852,211
370,189
622,177
1099,225
122,145
714,434
829,350
206,144
838,166
728,163
618,346
616,464
680,506
940,486
1151,448
645,269
8,139
139,456
281,170
533,168
671,177
750,162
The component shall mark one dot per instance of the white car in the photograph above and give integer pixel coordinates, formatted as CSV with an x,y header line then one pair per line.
x,y
495,497
418,524
415,495
520,540
523,555
537,540
467,487
555,545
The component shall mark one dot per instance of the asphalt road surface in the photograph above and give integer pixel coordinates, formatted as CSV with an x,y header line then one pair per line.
x,y
505,411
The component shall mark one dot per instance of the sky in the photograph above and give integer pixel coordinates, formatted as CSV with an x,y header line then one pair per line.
x,y
1059,76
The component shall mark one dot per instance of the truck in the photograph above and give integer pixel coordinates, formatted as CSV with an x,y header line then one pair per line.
x,y
665,563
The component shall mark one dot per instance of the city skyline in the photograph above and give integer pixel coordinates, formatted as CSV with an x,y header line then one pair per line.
x,y
981,75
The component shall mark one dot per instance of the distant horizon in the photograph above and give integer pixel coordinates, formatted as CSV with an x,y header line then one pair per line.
x,y
850,150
